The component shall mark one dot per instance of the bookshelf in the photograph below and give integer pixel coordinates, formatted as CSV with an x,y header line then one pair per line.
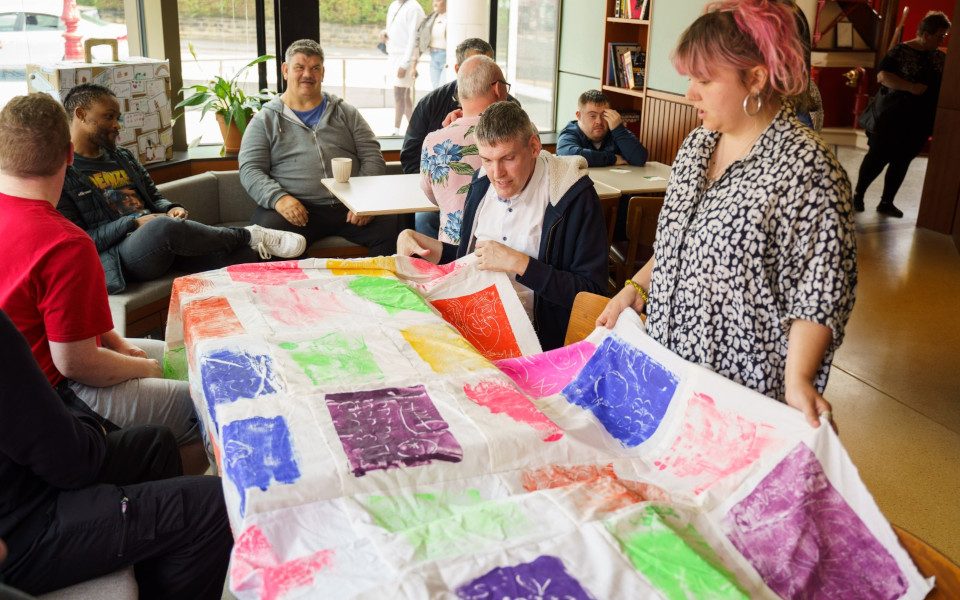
x,y
622,35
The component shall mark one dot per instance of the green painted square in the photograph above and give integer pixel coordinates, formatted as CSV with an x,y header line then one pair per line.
x,y
333,357
391,294
175,364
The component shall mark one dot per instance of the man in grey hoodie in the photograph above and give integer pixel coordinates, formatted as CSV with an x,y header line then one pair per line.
x,y
287,149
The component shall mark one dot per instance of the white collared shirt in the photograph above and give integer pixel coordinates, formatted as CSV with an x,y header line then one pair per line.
x,y
517,222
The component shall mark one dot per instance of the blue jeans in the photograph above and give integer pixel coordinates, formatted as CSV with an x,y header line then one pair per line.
x,y
438,61
428,223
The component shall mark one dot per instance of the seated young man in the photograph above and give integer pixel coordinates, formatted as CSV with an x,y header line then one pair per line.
x,y
140,234
65,517
539,221
53,288
598,135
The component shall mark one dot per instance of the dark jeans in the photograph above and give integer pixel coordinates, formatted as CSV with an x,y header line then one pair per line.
x,y
896,157
174,532
428,223
153,249
379,235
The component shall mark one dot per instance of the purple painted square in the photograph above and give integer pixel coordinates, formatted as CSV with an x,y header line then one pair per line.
x,y
539,579
804,539
257,451
626,390
385,428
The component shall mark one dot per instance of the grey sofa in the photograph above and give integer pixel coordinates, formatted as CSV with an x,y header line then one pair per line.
x,y
214,198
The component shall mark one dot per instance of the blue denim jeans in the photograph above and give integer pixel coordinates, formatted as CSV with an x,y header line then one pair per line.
x,y
438,61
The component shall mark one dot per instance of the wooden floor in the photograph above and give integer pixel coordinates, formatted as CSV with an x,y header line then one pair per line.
x,y
895,384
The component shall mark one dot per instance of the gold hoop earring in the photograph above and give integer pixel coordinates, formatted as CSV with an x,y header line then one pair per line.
x,y
746,104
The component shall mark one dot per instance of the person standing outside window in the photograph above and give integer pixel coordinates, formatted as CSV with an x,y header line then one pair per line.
x,y
400,36
433,39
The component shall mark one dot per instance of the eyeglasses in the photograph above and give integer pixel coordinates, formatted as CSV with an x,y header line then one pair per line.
x,y
507,85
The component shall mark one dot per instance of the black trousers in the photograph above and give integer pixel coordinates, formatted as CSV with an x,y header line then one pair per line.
x,y
379,235
894,154
173,531
164,242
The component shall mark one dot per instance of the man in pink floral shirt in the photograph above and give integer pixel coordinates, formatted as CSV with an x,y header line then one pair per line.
x,y
449,157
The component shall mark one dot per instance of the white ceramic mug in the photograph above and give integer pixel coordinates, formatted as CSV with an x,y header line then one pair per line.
x,y
341,169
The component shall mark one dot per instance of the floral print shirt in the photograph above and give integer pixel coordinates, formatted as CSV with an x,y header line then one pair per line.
x,y
447,164
737,261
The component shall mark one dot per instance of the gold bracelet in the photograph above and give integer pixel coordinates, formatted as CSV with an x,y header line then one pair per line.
x,y
638,287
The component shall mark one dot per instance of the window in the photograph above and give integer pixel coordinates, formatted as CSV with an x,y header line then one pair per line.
x,y
9,22
224,37
36,37
39,22
527,38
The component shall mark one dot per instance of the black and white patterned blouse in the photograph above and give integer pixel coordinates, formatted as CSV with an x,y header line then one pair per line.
x,y
770,241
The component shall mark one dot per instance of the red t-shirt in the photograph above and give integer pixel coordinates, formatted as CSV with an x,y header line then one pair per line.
x,y
51,281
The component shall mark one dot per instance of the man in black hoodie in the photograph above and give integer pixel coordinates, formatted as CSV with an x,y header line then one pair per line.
x,y
77,503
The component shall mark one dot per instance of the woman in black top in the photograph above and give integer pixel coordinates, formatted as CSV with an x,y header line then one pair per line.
x,y
909,77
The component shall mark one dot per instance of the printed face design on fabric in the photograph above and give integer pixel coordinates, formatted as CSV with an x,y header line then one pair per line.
x,y
393,295
542,578
545,374
673,555
626,390
447,525
714,445
482,319
228,375
257,451
334,357
253,553
385,428
804,539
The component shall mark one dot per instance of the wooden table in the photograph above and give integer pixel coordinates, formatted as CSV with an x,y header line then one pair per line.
x,y
605,191
381,194
650,178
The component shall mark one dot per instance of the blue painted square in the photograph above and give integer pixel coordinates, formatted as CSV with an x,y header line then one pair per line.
x,y
228,375
257,451
625,389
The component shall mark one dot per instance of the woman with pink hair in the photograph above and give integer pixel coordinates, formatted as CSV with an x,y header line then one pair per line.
x,y
754,265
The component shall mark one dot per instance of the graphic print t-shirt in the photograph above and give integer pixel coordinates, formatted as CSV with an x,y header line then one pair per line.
x,y
110,178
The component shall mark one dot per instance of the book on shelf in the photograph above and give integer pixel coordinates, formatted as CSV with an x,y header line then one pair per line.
x,y
617,9
638,68
627,62
631,120
616,71
644,13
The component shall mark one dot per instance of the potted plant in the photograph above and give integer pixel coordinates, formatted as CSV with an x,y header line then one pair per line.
x,y
234,107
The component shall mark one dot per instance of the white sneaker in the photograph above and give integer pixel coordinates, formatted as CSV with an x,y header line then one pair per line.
x,y
273,242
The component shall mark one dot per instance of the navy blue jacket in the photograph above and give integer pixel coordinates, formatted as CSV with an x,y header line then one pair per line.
x,y
572,256
573,142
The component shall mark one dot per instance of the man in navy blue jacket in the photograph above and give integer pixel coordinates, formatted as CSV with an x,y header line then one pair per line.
x,y
531,215
599,135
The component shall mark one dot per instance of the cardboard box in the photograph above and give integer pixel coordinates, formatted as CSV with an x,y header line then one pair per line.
x,y
142,86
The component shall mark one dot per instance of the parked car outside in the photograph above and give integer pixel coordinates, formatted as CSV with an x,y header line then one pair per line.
x,y
31,32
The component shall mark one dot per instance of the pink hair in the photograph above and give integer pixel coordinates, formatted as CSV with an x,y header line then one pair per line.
x,y
740,35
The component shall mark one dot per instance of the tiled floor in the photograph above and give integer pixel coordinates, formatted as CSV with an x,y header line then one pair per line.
x,y
895,383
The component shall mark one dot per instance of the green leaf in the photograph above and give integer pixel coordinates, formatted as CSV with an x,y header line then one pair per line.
x,y
194,100
464,189
462,168
470,150
469,130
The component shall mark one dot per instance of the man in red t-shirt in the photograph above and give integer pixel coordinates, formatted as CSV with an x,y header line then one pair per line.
x,y
52,287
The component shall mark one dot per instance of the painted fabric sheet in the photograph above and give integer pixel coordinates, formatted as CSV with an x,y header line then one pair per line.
x,y
369,449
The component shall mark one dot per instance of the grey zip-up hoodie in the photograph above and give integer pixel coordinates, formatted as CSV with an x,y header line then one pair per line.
x,y
280,155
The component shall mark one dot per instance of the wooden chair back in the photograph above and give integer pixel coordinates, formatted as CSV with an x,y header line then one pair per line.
x,y
643,212
609,207
583,318
932,562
